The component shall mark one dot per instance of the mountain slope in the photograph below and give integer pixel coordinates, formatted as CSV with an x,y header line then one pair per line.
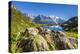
x,y
19,22
71,24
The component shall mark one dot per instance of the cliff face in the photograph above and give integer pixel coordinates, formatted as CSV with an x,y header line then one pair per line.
x,y
37,39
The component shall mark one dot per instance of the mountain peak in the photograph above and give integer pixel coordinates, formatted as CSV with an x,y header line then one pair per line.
x,y
48,19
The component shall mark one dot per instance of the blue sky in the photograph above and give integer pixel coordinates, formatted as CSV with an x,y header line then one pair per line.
x,y
60,10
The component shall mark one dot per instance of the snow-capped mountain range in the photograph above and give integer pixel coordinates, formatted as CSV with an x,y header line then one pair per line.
x,y
57,20
41,19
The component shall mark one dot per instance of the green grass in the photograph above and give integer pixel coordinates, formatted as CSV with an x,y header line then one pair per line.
x,y
72,34
19,23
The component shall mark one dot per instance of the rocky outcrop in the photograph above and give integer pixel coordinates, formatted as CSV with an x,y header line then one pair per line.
x,y
61,41
39,39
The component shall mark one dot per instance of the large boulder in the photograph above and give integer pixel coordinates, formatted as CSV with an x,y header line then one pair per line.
x,y
61,41
33,42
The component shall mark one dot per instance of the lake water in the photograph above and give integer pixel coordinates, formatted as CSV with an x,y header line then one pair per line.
x,y
55,28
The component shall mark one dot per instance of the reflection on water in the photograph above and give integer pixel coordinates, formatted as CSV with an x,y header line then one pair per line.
x,y
55,28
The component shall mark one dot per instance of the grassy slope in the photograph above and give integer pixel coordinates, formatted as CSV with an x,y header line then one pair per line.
x,y
19,23
72,34
71,24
